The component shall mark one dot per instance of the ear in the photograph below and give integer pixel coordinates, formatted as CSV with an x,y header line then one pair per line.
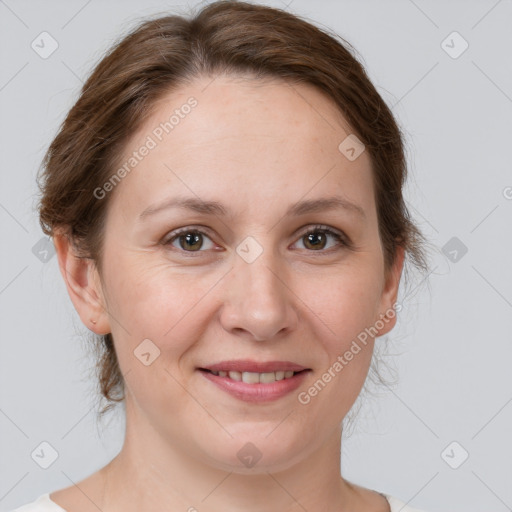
x,y
83,284
390,294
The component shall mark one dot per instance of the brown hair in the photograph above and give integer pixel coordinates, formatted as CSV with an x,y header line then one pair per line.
x,y
165,53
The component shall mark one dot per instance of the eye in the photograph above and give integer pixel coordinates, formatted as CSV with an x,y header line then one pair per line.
x,y
316,239
192,240
189,240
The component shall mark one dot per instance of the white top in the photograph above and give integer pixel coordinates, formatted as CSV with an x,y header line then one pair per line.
x,y
45,504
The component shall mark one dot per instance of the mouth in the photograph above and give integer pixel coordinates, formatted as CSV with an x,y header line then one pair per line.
x,y
256,382
255,377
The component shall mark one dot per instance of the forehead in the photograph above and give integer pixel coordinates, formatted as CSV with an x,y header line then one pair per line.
x,y
240,136
238,106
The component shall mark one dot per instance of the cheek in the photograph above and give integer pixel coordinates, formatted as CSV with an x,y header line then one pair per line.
x,y
153,301
347,309
346,301
149,299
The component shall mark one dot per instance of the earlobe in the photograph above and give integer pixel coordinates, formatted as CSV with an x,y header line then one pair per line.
x,y
83,284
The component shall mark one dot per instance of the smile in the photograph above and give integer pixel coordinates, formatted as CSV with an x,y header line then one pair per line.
x,y
256,378
255,386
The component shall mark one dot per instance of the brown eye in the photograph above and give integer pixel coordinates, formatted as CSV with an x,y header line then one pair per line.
x,y
318,238
315,240
189,240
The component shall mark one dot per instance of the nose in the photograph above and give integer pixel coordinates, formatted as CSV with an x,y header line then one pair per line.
x,y
258,299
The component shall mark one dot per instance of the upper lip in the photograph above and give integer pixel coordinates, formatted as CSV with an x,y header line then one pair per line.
x,y
246,365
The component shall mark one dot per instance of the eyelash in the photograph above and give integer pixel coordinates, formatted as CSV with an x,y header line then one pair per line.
x,y
342,240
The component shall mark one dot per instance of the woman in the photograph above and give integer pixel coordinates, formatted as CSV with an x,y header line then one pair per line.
x,y
225,199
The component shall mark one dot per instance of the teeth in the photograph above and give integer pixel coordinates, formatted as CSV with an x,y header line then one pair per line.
x,y
267,377
251,378
256,378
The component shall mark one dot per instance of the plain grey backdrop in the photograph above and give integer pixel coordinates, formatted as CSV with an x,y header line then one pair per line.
x,y
441,438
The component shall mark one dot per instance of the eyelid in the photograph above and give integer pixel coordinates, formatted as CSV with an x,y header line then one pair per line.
x,y
328,229
192,228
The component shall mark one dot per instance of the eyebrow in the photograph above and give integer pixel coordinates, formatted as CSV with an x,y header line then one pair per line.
x,y
215,208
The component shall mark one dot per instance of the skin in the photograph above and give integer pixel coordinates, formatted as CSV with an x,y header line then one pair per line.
x,y
257,147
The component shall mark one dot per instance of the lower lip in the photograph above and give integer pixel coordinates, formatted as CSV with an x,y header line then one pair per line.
x,y
257,392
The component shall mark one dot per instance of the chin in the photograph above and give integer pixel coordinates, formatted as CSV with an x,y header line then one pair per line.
x,y
256,453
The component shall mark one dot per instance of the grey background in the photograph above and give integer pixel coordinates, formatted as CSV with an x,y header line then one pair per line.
x,y
452,343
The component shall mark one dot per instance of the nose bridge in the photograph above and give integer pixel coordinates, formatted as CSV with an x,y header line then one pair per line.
x,y
258,300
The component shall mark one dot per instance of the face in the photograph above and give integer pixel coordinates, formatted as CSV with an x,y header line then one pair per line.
x,y
262,271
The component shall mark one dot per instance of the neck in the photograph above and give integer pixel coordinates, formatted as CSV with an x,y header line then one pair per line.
x,y
152,473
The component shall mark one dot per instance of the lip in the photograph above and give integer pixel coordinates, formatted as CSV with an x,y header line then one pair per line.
x,y
256,392
247,365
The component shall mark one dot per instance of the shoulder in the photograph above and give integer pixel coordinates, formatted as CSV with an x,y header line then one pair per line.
x,y
42,504
397,505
